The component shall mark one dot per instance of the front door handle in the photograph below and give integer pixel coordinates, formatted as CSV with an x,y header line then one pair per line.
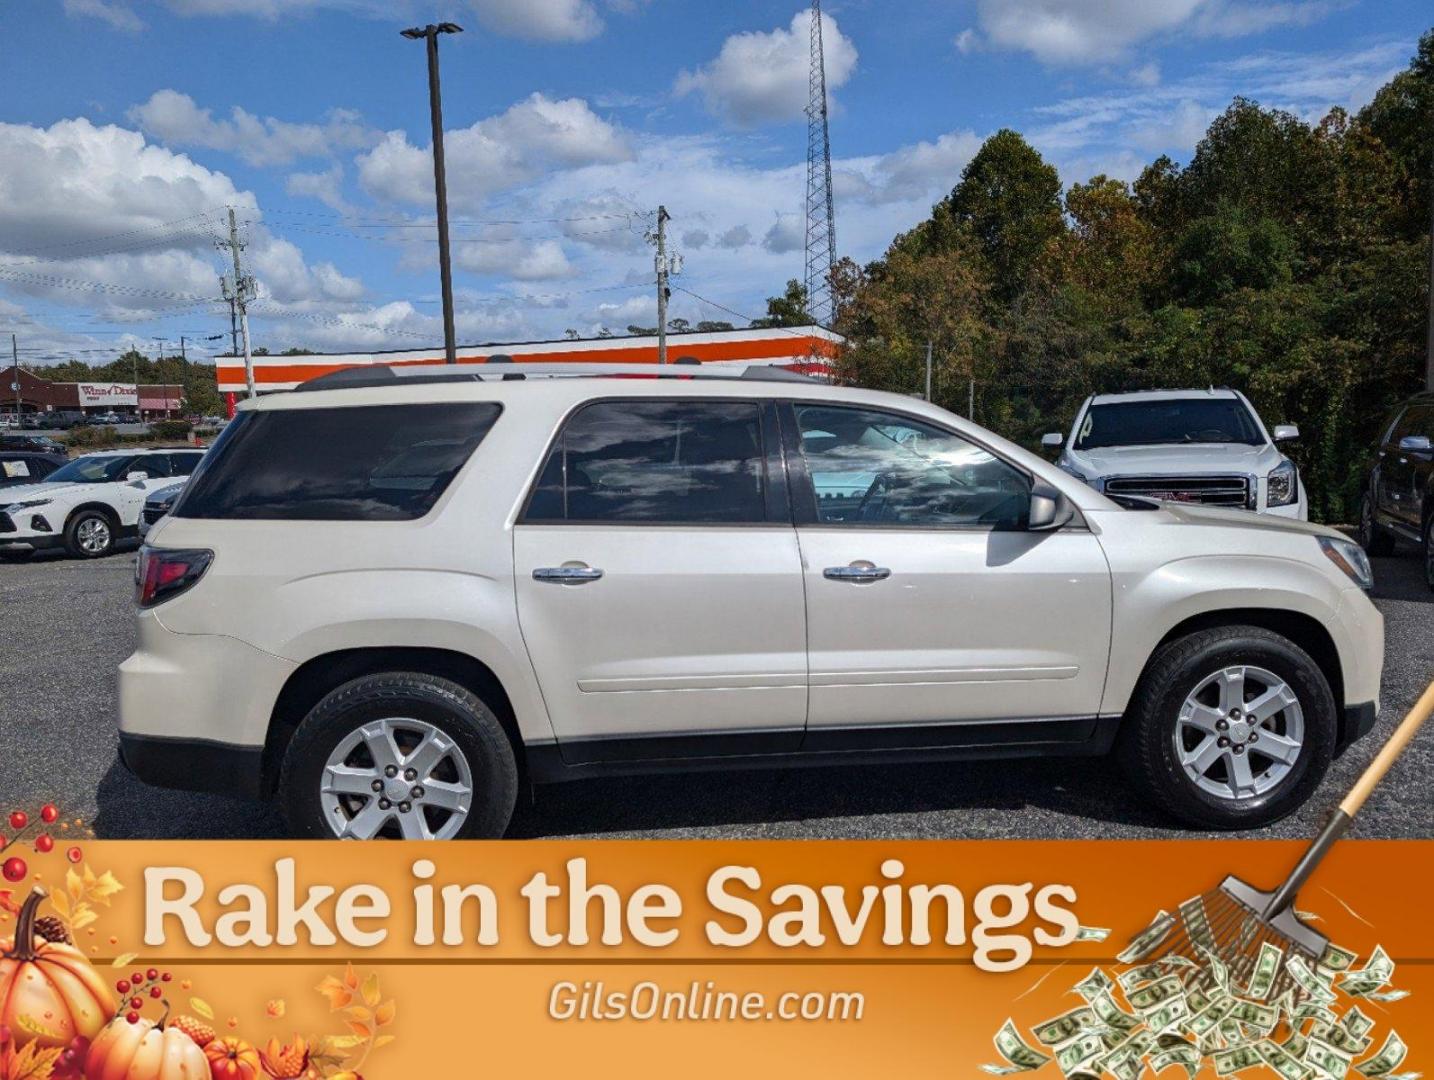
x,y
567,575
856,573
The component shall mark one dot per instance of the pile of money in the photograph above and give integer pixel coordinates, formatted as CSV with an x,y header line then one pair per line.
x,y
1193,1012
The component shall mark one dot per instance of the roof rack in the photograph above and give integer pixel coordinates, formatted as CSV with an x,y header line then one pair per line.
x,y
506,371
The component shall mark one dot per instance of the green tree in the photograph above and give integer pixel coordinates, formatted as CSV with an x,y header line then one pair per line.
x,y
789,309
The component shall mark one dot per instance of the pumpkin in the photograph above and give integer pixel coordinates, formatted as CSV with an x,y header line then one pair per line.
x,y
144,1050
231,1058
49,993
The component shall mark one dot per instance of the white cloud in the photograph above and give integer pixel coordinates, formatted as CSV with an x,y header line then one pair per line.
x,y
762,77
907,173
1146,74
516,146
512,256
738,236
696,239
967,41
174,118
1099,31
116,14
540,20
788,233
327,187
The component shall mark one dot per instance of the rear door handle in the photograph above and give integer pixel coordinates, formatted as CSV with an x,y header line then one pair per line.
x,y
567,575
856,573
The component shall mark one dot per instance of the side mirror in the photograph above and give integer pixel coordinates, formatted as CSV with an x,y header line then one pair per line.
x,y
1419,444
1052,439
1286,432
1049,509
136,476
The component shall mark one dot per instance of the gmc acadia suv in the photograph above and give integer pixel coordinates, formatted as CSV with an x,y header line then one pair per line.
x,y
387,596
1399,496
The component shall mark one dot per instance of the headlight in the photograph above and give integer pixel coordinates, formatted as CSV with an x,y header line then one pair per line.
x,y
1349,557
1283,486
28,504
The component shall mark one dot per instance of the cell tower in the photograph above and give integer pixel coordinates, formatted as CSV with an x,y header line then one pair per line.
x,y
821,215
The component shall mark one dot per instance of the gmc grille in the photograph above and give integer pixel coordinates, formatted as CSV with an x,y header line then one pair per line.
x,y
1211,490
151,514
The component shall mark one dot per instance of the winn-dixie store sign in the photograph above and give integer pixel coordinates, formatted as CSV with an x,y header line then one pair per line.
x,y
107,394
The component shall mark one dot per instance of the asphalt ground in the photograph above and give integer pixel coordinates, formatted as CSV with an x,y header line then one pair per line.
x,y
66,625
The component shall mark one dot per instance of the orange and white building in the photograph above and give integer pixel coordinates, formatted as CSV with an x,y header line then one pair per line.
x,y
809,349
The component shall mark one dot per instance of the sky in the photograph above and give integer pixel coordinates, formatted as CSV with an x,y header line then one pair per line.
x,y
129,127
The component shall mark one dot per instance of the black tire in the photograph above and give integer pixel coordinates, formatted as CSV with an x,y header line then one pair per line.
x,y
76,545
1146,745
1429,552
460,714
1372,538
15,556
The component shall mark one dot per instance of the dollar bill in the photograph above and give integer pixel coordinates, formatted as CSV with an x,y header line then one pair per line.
x,y
1267,966
1151,996
1149,939
1020,1056
1374,975
1112,1015
1071,1057
1257,1015
1094,984
1197,923
1168,1015
1336,959
1199,1000
1186,1056
1355,1022
1219,973
1092,933
1329,1060
1144,973
1308,981
1208,1019
1230,1061
1313,1010
1065,1027
1296,1043
1276,1057
1391,1055
1387,995
1340,1037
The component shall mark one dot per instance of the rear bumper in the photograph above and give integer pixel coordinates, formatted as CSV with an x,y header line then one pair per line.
x,y
1359,721
194,764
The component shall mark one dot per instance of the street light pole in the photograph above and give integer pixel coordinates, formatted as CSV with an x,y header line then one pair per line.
x,y
440,177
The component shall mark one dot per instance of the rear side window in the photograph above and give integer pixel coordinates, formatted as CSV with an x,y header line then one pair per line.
x,y
367,463
655,462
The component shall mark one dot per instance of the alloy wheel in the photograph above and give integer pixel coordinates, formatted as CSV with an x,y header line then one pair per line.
x,y
399,778
93,535
1239,733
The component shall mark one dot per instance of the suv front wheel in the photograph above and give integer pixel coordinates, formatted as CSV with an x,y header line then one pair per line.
x,y
1229,728
402,756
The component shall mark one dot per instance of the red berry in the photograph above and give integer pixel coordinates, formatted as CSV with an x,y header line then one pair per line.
x,y
49,813
122,986
44,843
19,819
132,1017
74,854
136,1003
152,974
155,991
165,977
137,978
14,869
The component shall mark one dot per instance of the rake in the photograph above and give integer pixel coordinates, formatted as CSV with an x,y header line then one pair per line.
x,y
1234,921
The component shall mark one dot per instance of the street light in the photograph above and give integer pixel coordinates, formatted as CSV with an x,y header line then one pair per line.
x,y
440,179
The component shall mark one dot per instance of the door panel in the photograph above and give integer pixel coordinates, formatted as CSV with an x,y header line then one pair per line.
x,y
970,626
687,631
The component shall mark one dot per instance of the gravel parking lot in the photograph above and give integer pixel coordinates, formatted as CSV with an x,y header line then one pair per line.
x,y
66,625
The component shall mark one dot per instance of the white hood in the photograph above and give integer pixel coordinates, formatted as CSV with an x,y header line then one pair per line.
x,y
1182,459
26,492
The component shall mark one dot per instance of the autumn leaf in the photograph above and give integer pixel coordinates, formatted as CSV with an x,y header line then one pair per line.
x,y
351,979
337,993
74,885
7,902
123,959
202,1007
342,1042
276,1008
61,903
363,1031
84,915
103,888
33,1063
384,1014
359,1013
383,1040
371,993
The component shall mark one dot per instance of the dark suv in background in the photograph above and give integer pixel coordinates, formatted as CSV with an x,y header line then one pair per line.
x,y
1399,498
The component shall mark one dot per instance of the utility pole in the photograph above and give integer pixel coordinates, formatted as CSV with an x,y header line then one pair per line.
x,y
662,289
233,318
928,373
1429,343
440,177
239,292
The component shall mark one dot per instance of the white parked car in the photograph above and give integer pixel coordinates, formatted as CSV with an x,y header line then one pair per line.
x,y
1193,446
385,597
89,504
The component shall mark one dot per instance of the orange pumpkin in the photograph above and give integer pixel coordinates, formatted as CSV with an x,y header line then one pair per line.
x,y
49,993
144,1050
231,1058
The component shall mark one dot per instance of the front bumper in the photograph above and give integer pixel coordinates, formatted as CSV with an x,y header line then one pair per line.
x,y
32,542
18,531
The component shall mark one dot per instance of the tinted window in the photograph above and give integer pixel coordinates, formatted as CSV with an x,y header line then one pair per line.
x,y
1159,423
93,470
184,464
673,462
1417,420
873,468
370,463
157,465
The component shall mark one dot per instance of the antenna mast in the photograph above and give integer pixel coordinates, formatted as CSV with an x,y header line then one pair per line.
x,y
821,215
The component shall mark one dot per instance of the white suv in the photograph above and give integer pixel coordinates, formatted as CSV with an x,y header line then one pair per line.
x,y
1193,446
89,504
388,595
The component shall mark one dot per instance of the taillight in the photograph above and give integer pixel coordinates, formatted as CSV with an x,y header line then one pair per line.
x,y
164,573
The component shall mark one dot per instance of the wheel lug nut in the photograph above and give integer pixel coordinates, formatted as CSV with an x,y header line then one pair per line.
x,y
390,771
1239,748
417,792
1254,736
384,804
404,807
377,785
410,774
1222,725
1234,714
1222,741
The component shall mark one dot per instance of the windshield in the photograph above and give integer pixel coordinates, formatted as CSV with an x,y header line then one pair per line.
x,y
1162,423
91,470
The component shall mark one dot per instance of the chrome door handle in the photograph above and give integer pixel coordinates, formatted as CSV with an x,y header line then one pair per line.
x,y
856,573
567,575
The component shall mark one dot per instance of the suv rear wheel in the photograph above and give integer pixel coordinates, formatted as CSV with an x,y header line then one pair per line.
x,y
1229,728
90,534
400,755
1429,551
1372,538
